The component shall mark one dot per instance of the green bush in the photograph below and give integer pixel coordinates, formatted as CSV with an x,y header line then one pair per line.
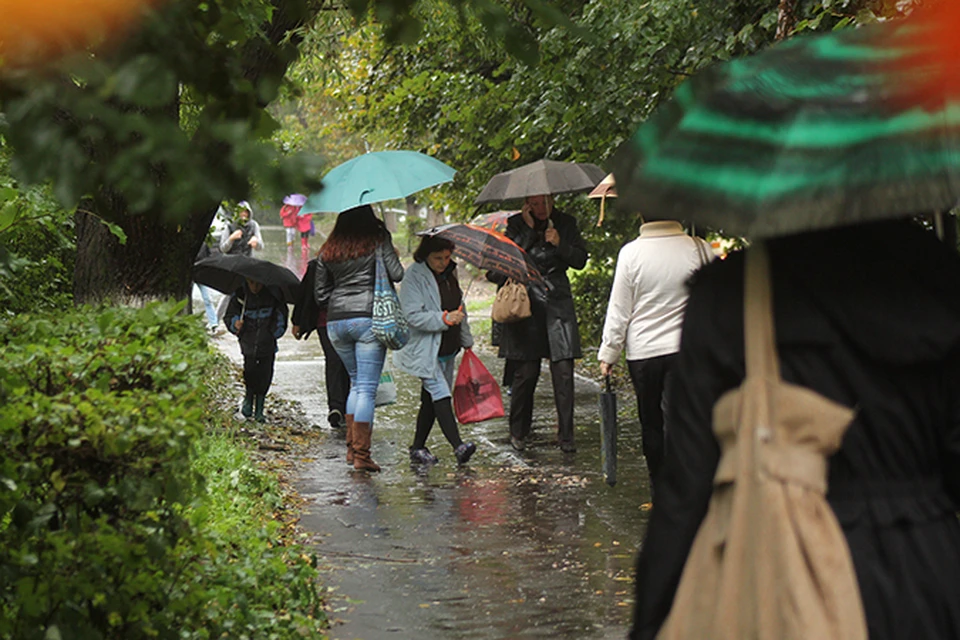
x,y
106,525
37,246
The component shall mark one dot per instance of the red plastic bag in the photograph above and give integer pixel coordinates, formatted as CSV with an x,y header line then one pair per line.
x,y
476,395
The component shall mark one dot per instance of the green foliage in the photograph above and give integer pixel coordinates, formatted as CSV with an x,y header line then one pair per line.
x,y
170,121
255,585
506,23
36,247
107,528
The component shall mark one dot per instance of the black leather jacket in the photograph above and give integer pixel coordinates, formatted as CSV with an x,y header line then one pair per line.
x,y
346,288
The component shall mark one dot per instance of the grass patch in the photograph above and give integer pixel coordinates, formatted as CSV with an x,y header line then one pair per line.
x,y
263,585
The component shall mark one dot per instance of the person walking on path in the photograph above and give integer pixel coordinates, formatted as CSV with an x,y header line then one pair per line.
x,y
307,317
433,304
288,216
868,317
554,244
258,319
206,293
645,315
306,228
344,282
242,236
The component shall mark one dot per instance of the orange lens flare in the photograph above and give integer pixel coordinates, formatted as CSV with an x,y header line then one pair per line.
x,y
934,65
37,32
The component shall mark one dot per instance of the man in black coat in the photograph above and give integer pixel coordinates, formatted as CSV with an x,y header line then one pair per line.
x,y
553,241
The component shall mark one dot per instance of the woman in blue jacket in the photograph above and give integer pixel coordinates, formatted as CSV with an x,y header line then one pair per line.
x,y
433,304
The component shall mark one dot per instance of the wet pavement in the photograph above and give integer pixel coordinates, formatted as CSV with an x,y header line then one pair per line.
x,y
512,545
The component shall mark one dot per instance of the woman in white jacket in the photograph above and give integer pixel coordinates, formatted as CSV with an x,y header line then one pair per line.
x,y
433,304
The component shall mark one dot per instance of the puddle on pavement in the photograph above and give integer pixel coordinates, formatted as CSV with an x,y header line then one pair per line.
x,y
513,545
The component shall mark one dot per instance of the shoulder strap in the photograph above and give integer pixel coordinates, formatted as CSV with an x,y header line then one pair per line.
x,y
759,335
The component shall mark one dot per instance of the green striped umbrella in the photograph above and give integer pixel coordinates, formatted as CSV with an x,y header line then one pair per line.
x,y
818,131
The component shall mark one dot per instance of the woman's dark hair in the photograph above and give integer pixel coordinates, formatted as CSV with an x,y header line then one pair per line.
x,y
431,244
357,233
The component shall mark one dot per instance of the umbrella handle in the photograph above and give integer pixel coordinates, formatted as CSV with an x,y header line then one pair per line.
x,y
606,379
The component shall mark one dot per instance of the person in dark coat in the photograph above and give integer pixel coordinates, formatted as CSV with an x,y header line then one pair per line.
x,y
869,317
553,241
306,318
207,293
258,319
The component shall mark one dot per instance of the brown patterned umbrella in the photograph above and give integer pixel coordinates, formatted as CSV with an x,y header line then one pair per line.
x,y
488,249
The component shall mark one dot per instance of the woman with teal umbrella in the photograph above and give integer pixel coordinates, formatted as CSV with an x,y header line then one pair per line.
x,y
344,283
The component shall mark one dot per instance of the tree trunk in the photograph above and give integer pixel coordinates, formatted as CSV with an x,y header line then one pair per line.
x,y
786,18
389,218
434,217
154,263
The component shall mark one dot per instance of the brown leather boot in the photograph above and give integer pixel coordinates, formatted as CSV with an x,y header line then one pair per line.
x,y
349,419
362,461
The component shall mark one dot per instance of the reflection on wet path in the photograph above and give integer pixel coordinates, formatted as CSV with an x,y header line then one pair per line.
x,y
514,545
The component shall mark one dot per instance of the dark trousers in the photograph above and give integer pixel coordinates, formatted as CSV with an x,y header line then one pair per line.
x,y
652,379
336,378
526,373
258,373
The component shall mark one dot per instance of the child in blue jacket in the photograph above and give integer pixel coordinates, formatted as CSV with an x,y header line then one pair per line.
x,y
258,318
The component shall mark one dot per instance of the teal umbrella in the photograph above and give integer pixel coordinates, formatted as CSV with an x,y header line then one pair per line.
x,y
816,132
376,177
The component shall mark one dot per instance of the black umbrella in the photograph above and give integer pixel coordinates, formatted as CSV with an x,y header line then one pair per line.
x,y
542,177
608,433
227,273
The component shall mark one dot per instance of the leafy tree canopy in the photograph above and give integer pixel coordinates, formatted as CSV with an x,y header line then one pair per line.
x,y
170,120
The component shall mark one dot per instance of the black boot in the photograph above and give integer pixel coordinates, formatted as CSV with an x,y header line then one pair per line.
x,y
448,424
425,419
258,408
247,408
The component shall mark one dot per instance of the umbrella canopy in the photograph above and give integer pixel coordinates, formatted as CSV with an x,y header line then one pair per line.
x,y
227,273
542,177
606,189
488,249
295,199
376,177
816,132
497,221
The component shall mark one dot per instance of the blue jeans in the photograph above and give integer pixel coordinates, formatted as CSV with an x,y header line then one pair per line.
x,y
210,308
441,383
363,357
